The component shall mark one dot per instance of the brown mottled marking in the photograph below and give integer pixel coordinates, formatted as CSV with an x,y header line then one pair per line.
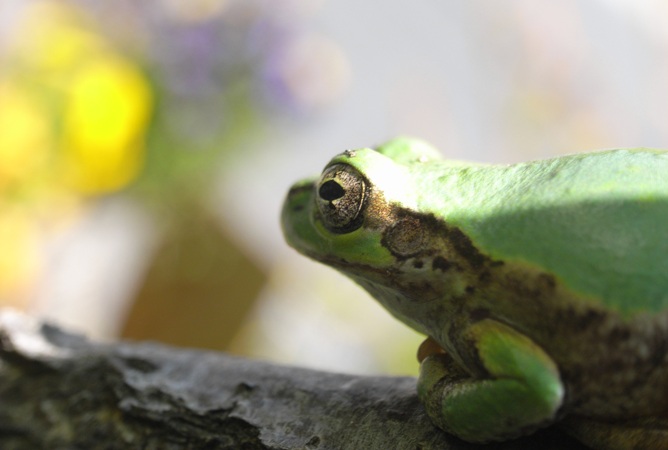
x,y
412,234
549,283
484,276
440,263
466,249
479,314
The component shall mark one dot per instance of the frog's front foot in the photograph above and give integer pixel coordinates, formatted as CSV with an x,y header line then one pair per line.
x,y
519,391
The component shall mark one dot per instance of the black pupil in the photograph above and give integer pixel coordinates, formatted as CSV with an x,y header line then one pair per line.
x,y
331,190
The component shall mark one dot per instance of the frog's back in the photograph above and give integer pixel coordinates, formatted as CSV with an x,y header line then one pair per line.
x,y
597,221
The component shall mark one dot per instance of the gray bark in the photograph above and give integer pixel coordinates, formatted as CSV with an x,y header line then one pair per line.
x,y
61,391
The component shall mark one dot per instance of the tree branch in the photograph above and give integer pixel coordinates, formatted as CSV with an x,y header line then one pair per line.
x,y
58,390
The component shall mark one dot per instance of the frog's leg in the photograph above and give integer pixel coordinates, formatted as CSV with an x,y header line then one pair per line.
x,y
520,391
648,432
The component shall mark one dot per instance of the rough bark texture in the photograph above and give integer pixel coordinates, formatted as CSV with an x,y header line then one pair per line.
x,y
60,391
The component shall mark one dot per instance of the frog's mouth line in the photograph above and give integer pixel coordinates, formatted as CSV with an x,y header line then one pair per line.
x,y
376,278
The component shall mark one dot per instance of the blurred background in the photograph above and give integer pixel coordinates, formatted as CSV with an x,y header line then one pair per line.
x,y
146,147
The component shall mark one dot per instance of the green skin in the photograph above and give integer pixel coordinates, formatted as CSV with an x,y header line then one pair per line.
x,y
543,286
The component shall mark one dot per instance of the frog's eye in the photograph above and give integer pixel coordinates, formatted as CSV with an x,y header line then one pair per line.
x,y
341,197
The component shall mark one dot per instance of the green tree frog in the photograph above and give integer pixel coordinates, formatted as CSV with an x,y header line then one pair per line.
x,y
542,286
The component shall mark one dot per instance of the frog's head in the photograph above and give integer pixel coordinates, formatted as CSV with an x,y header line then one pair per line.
x,y
361,217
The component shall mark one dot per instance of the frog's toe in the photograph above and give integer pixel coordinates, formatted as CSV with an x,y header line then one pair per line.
x,y
427,348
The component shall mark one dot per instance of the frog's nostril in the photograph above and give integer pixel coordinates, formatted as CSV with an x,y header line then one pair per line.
x,y
331,190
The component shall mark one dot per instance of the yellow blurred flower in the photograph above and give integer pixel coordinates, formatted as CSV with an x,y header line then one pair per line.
x,y
73,116
25,135
105,118
95,103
